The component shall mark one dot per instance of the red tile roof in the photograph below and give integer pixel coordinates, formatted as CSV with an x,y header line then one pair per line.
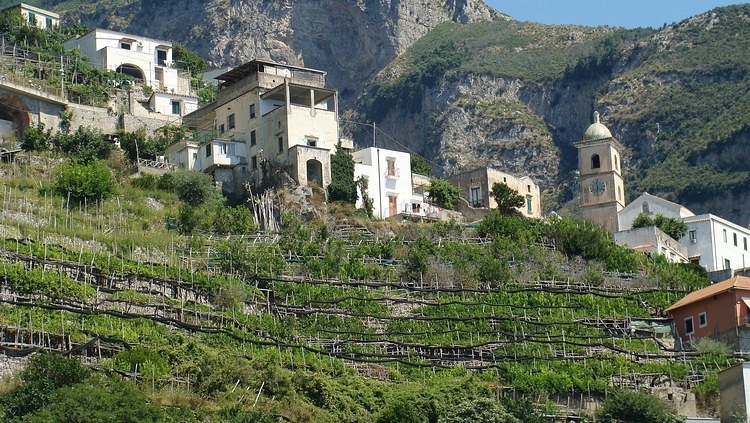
x,y
737,282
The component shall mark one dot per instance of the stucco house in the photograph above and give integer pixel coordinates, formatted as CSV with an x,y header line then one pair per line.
x,y
388,182
720,311
653,241
715,243
282,114
476,189
35,16
145,59
734,389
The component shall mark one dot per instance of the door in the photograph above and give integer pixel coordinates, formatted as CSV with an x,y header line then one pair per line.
x,y
392,206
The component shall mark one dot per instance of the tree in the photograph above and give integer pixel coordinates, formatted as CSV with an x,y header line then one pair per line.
x,y
635,407
85,144
508,200
189,58
671,226
89,181
193,187
443,194
479,410
36,138
420,165
343,187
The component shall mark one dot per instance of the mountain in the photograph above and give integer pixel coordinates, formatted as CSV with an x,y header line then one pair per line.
x,y
464,85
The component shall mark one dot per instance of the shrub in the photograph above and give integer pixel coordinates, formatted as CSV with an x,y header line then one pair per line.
x,y
193,187
85,144
36,138
85,182
343,187
443,194
635,407
508,200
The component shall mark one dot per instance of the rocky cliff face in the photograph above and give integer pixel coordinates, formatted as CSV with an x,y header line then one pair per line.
x,y
350,39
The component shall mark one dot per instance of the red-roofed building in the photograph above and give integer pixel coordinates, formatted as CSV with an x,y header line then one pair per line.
x,y
720,311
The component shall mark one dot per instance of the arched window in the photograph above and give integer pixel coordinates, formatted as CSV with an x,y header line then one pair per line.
x,y
595,162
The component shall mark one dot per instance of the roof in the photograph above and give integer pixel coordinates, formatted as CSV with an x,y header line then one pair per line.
x,y
737,282
597,130
254,66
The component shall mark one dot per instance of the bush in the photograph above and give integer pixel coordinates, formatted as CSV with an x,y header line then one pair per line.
x,y
36,138
635,407
85,144
85,182
443,194
193,187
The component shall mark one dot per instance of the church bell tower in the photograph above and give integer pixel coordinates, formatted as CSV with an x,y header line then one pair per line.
x,y
602,190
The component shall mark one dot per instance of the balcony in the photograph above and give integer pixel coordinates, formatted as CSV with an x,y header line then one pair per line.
x,y
392,173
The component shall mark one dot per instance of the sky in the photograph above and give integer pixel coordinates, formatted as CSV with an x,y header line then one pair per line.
x,y
625,13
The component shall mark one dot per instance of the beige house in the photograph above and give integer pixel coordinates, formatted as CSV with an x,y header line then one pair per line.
x,y
476,190
283,114
35,16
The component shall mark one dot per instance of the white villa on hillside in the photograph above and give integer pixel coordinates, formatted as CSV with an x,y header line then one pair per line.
x,y
388,182
715,243
145,59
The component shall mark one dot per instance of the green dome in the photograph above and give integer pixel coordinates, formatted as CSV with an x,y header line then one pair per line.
x,y
596,131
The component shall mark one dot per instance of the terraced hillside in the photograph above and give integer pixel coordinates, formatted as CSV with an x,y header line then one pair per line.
x,y
331,319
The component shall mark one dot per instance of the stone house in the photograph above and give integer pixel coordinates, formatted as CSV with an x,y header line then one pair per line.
x,y
476,190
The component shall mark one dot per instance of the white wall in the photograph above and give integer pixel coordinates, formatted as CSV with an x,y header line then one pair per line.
x,y
711,245
373,164
656,206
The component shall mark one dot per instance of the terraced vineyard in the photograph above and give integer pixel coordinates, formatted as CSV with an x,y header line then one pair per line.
x,y
323,298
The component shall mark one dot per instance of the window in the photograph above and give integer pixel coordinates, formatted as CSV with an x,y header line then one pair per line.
x,y
744,242
475,196
617,162
176,107
124,45
689,330
311,141
221,128
693,236
595,163
528,188
208,150
727,264
702,320
529,205
280,142
227,148
230,121
161,57
254,162
645,208
391,167
195,156
253,138
724,232
734,238
32,18
252,111
48,22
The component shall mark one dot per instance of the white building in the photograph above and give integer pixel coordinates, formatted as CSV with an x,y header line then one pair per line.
x,y
388,182
283,114
225,159
35,16
734,388
145,59
652,206
652,240
714,243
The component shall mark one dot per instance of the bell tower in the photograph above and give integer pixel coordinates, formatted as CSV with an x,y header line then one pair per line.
x,y
602,189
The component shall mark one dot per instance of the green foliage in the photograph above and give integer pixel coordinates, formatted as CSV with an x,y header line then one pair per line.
x,y
420,165
235,256
194,188
671,226
443,194
49,284
636,407
143,360
35,138
236,220
188,58
367,203
517,228
85,182
85,145
508,200
98,400
479,410
43,375
343,187
580,238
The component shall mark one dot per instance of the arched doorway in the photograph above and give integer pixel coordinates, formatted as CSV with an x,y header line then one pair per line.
x,y
131,70
14,117
315,172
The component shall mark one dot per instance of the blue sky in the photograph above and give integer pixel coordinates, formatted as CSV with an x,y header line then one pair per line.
x,y
626,13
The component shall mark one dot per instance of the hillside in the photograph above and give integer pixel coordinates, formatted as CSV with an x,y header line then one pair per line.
x,y
331,319
517,95
480,88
